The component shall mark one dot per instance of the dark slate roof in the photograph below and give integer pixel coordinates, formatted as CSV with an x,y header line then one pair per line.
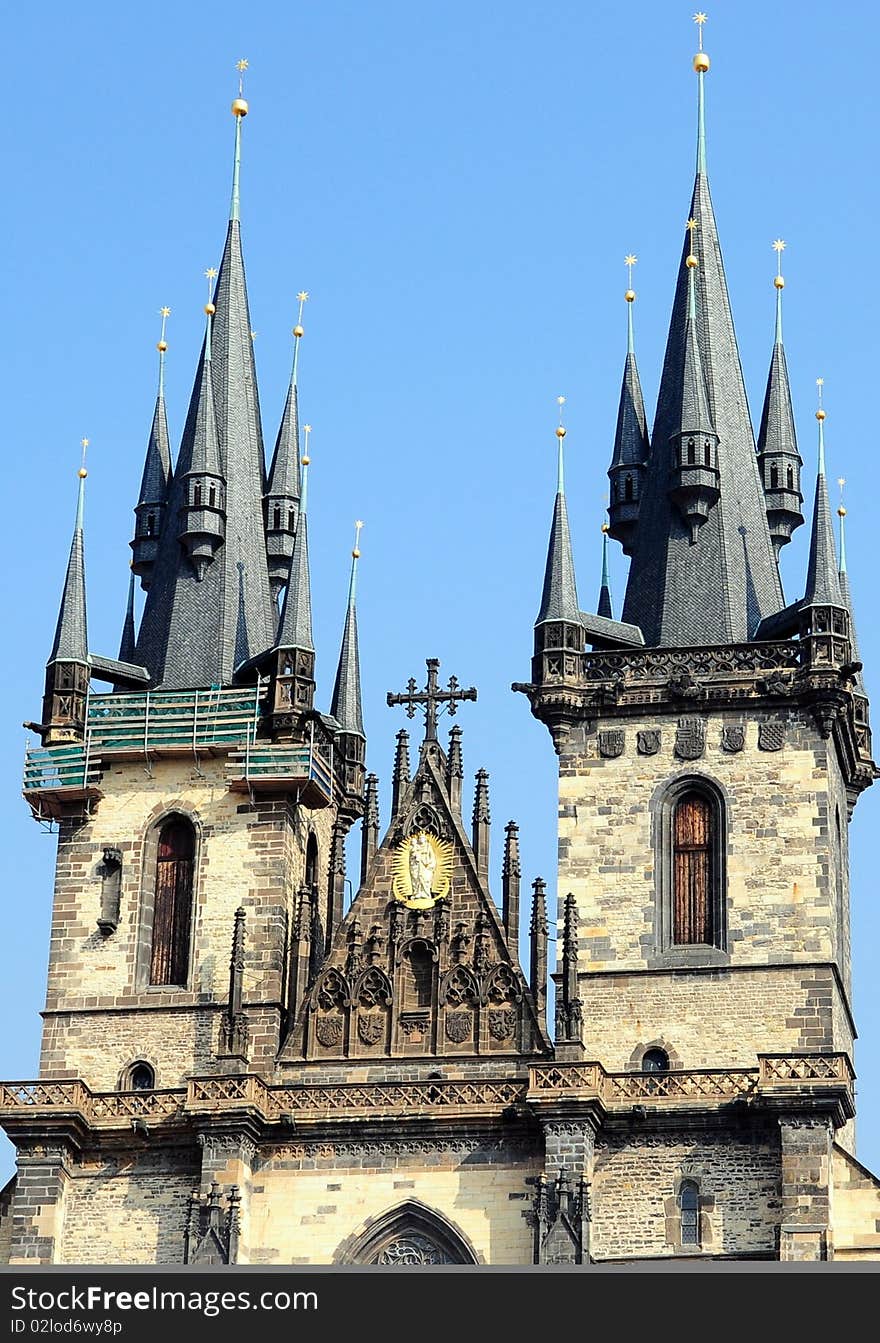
x,y
346,703
631,434
117,671
695,416
200,449
559,599
781,624
157,463
295,625
129,640
716,590
604,607
284,471
777,432
190,630
604,633
71,642
823,584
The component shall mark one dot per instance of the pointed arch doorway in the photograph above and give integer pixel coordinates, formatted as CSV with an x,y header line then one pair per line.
x,y
410,1234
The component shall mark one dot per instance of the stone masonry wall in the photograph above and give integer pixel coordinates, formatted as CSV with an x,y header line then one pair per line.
x,y
636,1180
782,889
250,855
129,1210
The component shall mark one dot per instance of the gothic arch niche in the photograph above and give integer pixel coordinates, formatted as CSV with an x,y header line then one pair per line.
x,y
411,1234
168,901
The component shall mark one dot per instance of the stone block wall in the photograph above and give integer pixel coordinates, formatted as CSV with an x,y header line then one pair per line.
x,y
101,1012
636,1180
786,892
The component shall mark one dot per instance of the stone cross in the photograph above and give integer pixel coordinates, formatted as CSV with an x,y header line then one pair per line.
x,y
432,696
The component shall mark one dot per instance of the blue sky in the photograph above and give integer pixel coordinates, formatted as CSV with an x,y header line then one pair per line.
x,y
456,185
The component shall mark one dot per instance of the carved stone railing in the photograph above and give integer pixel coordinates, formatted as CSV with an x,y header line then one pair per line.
x,y
722,660
796,1069
777,1076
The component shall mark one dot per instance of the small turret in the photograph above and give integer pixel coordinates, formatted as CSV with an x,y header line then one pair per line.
x,y
778,458
824,618
345,706
694,478
604,607
559,631
202,521
283,488
630,456
295,648
67,670
153,497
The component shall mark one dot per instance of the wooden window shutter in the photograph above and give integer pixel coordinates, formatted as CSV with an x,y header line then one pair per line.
x,y
172,903
692,874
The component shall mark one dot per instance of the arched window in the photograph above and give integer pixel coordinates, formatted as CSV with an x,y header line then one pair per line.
x,y
690,848
689,1212
692,452
212,496
138,1077
276,518
707,453
311,875
774,477
291,520
692,870
628,489
655,1061
790,477
151,524
197,496
411,1234
172,904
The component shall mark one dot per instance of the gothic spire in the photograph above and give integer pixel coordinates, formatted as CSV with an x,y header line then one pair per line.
x,y
605,608
190,625
283,489
128,641
778,457
71,642
846,594
698,579
346,704
295,626
150,508
559,599
630,456
823,584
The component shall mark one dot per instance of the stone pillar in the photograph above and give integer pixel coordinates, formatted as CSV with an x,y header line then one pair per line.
x,y
228,1156
38,1204
806,1175
562,1200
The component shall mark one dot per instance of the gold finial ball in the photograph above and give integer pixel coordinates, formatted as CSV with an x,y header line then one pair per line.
x,y
82,473
691,261
841,512
605,529
210,309
779,282
630,296
239,107
701,62
306,461
299,331
161,346
820,414
355,554
560,431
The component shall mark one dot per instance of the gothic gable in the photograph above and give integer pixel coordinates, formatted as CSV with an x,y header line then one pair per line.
x,y
420,966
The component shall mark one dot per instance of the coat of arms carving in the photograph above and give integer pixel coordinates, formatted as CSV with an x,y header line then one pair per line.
x,y
329,1030
371,1026
502,1023
648,741
422,870
690,738
612,742
771,736
459,1026
733,738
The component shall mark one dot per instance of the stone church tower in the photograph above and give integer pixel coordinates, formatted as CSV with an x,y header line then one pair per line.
x,y
238,1069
